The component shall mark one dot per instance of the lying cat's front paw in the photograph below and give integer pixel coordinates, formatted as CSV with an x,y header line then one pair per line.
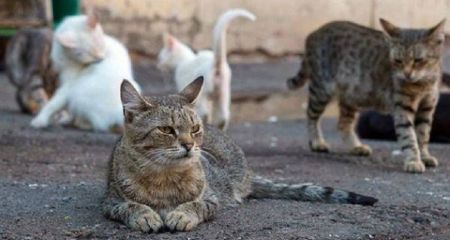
x,y
361,150
147,221
39,122
181,221
430,161
414,166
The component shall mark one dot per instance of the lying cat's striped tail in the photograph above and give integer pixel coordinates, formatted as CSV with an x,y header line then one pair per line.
x,y
264,188
300,79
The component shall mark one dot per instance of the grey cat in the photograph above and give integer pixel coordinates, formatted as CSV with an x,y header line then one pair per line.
x,y
396,72
169,170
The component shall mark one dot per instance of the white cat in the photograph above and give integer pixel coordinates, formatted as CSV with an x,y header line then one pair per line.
x,y
213,104
91,66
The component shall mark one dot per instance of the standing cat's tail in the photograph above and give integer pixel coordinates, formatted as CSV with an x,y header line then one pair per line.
x,y
300,79
264,188
219,34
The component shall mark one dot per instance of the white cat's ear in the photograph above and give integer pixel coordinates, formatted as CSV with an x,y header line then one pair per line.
x,y
192,91
169,41
67,39
390,28
132,101
92,18
436,33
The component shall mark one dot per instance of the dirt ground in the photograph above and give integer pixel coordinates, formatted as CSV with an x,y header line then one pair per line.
x,y
51,181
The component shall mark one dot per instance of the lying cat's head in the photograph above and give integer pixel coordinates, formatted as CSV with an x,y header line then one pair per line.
x,y
82,38
414,53
173,53
165,130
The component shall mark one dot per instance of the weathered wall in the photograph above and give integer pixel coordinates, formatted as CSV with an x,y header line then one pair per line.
x,y
280,29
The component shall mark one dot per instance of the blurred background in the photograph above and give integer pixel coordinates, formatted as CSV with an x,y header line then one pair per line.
x,y
264,52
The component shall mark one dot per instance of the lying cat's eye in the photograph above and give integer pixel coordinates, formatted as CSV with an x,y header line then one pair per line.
x,y
166,130
195,128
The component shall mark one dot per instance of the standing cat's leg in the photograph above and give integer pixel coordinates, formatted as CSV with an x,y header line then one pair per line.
x,y
135,215
422,122
318,99
346,126
55,104
404,112
188,215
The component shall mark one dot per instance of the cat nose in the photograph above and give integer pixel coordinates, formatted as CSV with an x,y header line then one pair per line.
x,y
187,146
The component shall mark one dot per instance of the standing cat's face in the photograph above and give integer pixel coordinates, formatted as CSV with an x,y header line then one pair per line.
x,y
172,53
165,130
414,53
85,45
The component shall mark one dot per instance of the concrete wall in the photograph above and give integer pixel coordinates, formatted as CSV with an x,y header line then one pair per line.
x,y
280,29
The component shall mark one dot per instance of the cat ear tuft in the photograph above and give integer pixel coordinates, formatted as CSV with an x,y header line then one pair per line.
x,y
192,91
132,101
436,33
66,39
390,28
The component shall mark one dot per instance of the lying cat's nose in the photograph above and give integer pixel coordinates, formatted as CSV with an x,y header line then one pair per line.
x,y
188,146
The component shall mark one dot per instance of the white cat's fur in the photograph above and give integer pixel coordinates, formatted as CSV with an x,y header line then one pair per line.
x,y
91,66
214,101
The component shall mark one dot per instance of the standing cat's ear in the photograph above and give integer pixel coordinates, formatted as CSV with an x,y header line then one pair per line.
x,y
169,41
192,91
66,39
390,28
132,101
436,33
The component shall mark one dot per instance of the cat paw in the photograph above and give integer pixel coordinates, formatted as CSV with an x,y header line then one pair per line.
x,y
181,221
414,166
147,221
361,150
319,146
430,161
39,122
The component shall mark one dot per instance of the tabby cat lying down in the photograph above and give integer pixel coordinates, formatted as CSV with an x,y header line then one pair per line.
x,y
374,125
170,171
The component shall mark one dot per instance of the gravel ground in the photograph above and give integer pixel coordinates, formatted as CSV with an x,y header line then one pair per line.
x,y
51,181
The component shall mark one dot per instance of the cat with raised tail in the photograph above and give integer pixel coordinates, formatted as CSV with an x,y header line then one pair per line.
x,y
169,170
214,103
91,66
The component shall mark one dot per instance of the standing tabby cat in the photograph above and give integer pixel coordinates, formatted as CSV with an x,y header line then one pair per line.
x,y
396,72
169,169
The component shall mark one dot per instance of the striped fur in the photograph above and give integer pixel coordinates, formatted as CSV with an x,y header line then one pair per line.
x,y
397,71
265,188
169,170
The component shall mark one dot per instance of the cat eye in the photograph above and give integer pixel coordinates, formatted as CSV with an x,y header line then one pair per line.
x,y
419,61
195,128
398,61
166,130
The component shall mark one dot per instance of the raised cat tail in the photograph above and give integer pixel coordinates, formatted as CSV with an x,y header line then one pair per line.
x,y
300,79
265,188
219,34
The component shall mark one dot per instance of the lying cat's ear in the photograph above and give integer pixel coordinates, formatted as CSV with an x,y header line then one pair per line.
x,y
436,33
192,91
66,39
390,28
132,101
